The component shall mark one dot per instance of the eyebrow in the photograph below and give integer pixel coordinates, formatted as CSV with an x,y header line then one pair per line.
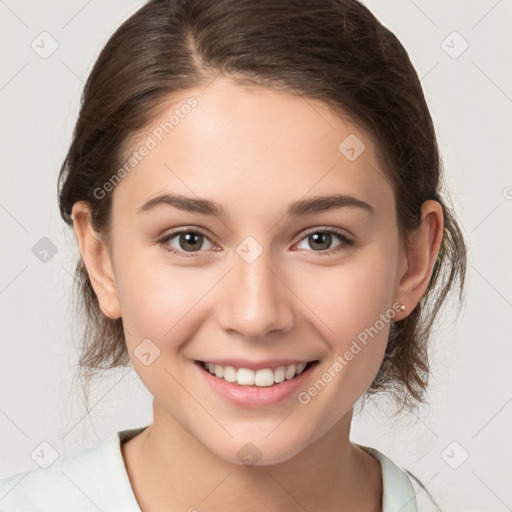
x,y
302,207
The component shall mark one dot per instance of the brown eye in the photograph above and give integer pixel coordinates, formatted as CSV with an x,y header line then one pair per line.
x,y
321,241
190,241
184,241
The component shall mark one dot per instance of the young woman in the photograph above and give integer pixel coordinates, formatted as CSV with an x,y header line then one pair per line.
x,y
256,192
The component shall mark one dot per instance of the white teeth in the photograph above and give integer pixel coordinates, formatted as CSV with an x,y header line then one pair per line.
x,y
279,374
229,374
245,377
264,377
290,372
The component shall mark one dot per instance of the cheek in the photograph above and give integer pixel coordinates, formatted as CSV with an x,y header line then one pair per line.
x,y
159,301
352,303
353,313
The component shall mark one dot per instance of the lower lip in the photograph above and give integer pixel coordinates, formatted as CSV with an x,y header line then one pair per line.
x,y
255,395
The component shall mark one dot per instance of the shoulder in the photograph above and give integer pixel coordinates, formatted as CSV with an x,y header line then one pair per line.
x,y
398,493
401,488
87,481
60,484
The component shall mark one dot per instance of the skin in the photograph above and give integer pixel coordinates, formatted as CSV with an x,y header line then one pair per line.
x,y
255,151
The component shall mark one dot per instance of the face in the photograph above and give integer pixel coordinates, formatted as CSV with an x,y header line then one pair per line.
x,y
263,280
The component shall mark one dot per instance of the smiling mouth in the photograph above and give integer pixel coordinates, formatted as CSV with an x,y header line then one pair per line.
x,y
264,377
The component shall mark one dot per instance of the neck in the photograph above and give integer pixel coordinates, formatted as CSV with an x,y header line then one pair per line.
x,y
170,470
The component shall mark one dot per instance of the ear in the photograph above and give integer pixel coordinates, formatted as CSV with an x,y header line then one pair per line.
x,y
96,259
422,250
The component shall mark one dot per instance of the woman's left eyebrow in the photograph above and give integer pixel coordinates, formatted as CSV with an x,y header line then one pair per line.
x,y
316,204
319,204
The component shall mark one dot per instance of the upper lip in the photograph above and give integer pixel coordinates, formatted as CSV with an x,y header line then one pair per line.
x,y
256,365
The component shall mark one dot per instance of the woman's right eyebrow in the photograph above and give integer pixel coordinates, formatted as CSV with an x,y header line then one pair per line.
x,y
316,204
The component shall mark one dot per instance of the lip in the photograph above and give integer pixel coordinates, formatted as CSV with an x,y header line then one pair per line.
x,y
254,396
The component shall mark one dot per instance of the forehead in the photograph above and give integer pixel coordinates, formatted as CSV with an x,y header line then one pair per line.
x,y
249,147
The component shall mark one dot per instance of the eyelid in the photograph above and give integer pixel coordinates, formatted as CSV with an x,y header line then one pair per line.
x,y
322,229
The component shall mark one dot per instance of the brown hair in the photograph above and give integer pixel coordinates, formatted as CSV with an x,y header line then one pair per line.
x,y
335,51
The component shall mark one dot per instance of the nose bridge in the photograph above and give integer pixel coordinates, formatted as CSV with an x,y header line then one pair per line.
x,y
256,301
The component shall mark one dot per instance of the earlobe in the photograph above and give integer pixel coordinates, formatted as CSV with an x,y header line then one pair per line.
x,y
97,260
422,250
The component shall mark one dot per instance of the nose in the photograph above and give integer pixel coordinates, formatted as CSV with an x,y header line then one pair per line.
x,y
256,300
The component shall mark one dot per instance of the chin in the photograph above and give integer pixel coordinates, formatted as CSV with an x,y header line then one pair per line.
x,y
257,450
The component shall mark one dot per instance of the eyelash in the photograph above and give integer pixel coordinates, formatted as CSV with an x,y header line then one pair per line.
x,y
345,241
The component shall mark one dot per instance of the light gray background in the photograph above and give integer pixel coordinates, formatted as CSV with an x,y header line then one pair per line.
x,y
470,98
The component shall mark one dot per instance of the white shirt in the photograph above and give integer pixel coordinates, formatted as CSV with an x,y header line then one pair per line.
x,y
96,479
